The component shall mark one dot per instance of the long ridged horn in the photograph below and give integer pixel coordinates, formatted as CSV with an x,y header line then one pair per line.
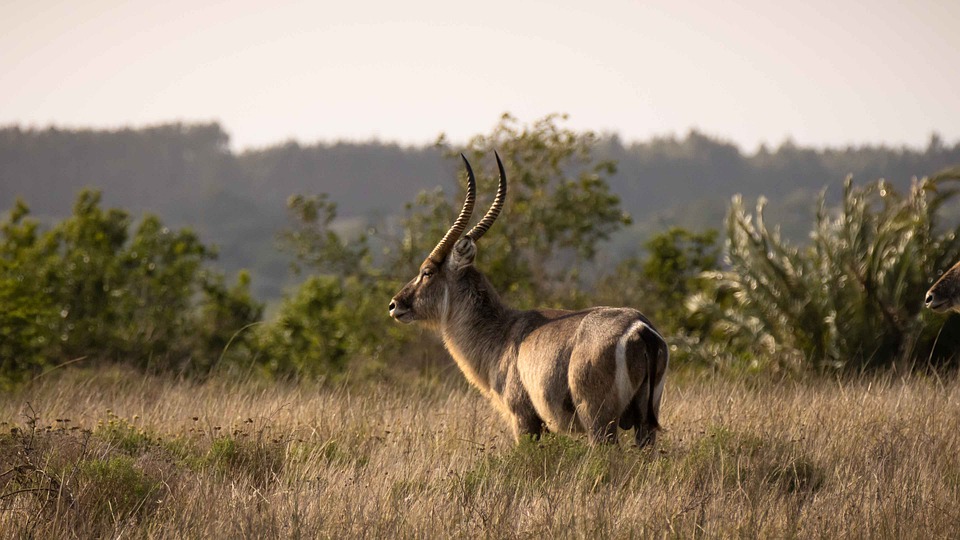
x,y
440,252
480,228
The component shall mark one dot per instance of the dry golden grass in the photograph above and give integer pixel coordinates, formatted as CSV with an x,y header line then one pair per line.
x,y
116,453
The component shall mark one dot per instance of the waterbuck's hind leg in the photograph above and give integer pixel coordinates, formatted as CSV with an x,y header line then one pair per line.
x,y
629,418
638,411
596,407
646,426
599,419
593,381
646,436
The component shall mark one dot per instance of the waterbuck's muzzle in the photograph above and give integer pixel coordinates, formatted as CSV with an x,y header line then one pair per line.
x,y
936,302
400,311
945,293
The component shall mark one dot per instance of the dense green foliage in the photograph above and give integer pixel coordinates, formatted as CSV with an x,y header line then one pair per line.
x,y
660,282
338,314
93,286
850,299
312,333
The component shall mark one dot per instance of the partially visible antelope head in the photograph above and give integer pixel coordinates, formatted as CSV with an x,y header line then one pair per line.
x,y
945,293
569,371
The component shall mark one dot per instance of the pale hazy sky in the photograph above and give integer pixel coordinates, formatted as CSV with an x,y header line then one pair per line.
x,y
751,71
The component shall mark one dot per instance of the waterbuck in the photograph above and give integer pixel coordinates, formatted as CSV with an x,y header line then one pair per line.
x,y
568,371
945,293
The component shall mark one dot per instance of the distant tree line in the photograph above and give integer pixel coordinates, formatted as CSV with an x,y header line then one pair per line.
x,y
188,174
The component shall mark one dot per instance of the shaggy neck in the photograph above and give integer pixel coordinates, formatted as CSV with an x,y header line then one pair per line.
x,y
475,333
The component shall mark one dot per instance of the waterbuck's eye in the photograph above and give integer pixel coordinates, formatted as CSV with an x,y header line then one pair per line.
x,y
427,272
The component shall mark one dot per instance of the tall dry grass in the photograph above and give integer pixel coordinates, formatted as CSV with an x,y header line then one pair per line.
x,y
120,454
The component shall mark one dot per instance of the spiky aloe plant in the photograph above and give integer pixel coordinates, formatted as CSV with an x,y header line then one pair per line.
x,y
852,298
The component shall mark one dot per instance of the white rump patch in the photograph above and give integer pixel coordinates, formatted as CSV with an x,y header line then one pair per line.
x,y
625,388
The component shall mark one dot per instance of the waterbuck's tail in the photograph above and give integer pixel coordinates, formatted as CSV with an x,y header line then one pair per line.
x,y
658,351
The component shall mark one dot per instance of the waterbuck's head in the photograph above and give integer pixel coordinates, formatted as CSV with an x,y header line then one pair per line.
x,y
945,293
447,276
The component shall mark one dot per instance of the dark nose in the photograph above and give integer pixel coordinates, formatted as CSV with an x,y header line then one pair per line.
x,y
393,306
929,299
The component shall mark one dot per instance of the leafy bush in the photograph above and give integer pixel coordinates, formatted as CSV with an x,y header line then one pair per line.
x,y
224,317
659,283
851,299
116,488
90,287
29,319
337,315
309,335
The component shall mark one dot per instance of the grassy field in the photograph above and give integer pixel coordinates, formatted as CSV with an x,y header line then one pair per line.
x,y
117,453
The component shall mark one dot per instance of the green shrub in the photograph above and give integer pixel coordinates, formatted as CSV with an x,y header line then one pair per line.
x,y
853,298
659,283
338,316
309,335
328,322
124,435
30,318
224,325
91,286
114,489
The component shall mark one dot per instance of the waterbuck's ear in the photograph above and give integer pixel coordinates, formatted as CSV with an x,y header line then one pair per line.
x,y
462,255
